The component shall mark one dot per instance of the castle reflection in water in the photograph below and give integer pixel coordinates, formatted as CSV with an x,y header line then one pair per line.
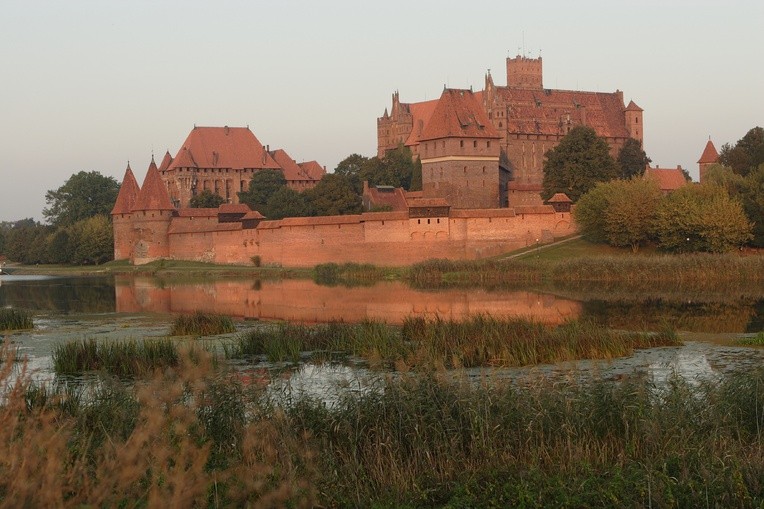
x,y
305,301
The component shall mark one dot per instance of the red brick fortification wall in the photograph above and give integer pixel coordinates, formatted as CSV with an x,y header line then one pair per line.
x,y
123,236
386,239
305,301
150,234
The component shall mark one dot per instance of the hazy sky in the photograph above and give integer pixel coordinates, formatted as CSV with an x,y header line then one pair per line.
x,y
89,85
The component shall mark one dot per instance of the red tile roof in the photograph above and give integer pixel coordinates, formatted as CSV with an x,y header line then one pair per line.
x,y
559,198
380,197
166,161
633,107
253,214
198,212
128,194
289,167
428,202
222,147
314,170
420,113
458,114
710,155
669,179
153,194
234,208
547,111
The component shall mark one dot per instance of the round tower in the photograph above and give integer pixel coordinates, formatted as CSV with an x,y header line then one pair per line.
x,y
122,217
151,218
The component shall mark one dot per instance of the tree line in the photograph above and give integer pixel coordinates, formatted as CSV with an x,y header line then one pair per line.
x,y
725,212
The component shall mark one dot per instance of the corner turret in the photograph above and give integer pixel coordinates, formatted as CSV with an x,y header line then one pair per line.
x,y
121,215
152,215
709,157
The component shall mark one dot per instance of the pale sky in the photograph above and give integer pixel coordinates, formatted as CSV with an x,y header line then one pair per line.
x,y
89,85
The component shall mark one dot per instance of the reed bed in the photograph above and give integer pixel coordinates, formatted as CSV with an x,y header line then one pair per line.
x,y
120,358
179,439
15,319
427,343
427,441
348,274
202,324
445,273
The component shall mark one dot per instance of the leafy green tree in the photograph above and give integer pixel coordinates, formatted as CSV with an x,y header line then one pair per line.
x,y
701,218
93,241
287,202
59,246
353,167
263,185
749,190
620,212
632,159
83,195
334,195
577,163
747,154
631,211
206,200
589,213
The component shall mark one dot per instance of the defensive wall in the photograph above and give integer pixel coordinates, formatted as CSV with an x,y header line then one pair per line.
x,y
379,238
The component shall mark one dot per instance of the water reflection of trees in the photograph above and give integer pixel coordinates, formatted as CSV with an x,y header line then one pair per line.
x,y
66,295
687,315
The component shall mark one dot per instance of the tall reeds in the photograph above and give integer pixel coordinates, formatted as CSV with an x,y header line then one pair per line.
x,y
202,324
119,358
15,319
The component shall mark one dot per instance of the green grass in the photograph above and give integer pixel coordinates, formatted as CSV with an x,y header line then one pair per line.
x,y
201,324
427,343
119,358
757,340
15,319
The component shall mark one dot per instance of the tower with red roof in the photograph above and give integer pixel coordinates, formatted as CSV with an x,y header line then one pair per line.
x,y
122,215
709,157
152,215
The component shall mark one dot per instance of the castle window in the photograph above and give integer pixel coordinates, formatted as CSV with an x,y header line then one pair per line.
x,y
428,221
488,144
636,120
418,221
500,125
465,169
461,143
438,220
444,144
474,144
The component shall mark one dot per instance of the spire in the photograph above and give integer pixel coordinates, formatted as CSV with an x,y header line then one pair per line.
x,y
710,155
153,194
166,161
128,193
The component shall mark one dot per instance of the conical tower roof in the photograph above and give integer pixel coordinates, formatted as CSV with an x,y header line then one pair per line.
x,y
633,107
710,155
153,194
166,161
128,193
458,115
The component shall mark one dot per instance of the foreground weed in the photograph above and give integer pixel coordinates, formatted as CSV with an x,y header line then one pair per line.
x,y
15,319
119,358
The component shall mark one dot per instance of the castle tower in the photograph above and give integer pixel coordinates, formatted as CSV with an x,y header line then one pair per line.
x,y
524,72
152,215
459,150
633,117
709,157
121,215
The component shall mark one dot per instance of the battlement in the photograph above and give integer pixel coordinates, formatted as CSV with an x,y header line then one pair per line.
x,y
523,72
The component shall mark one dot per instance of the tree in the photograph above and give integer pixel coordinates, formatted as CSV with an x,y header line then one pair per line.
x,y
746,155
352,168
631,210
287,202
620,212
577,163
59,246
701,218
334,195
206,200
631,159
263,185
83,195
749,190
93,241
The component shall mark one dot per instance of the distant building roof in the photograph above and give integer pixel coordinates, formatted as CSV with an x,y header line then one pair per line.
x,y
709,155
128,193
384,196
314,170
559,198
458,114
669,179
223,147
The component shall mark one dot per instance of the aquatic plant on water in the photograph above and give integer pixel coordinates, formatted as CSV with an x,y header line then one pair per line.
x,y
202,324
120,358
15,319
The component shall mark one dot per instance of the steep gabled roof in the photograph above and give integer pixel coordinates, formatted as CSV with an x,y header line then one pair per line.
x,y
420,113
128,193
381,196
710,155
633,107
166,161
314,170
153,194
458,114
552,111
223,147
559,198
288,166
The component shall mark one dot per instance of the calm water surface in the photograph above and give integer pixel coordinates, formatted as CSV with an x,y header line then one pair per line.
x,y
138,307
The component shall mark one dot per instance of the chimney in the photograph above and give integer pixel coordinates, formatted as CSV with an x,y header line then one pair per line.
x,y
226,130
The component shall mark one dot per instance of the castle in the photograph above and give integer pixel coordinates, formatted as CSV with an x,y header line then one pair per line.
x,y
457,215
516,125
223,160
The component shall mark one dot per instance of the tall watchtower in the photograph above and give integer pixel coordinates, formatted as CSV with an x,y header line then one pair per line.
x,y
523,72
